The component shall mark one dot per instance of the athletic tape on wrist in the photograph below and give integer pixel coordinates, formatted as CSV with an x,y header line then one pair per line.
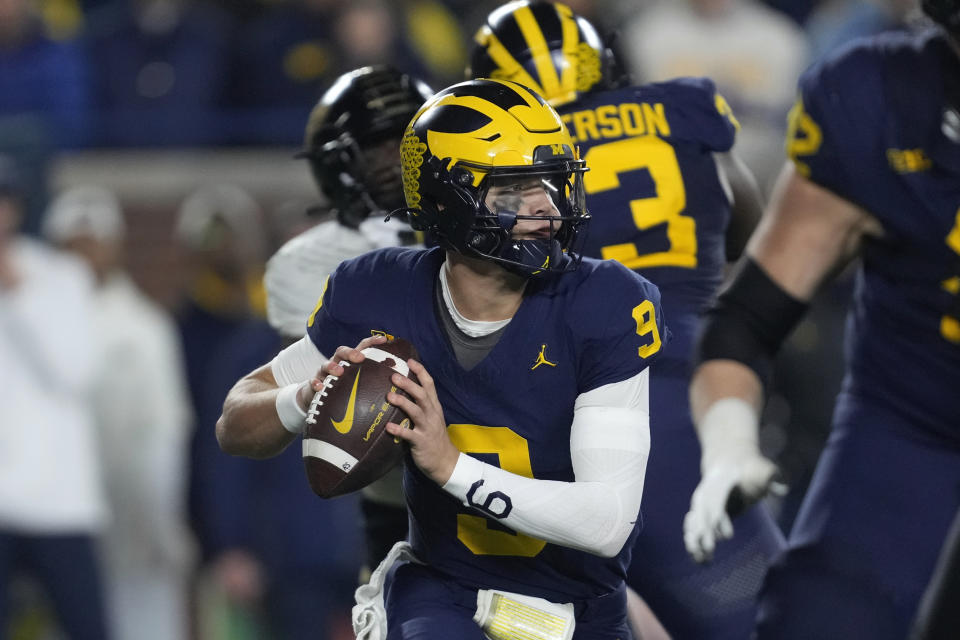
x,y
291,415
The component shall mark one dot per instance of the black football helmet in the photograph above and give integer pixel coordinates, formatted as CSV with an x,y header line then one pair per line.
x,y
353,135
945,13
486,131
547,47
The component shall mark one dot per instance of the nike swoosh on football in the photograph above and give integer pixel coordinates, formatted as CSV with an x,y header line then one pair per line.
x,y
344,425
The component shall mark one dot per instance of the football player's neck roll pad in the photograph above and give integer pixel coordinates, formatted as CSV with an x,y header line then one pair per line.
x,y
749,320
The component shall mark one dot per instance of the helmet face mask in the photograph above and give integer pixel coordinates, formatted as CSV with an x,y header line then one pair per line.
x,y
485,161
379,172
547,47
529,220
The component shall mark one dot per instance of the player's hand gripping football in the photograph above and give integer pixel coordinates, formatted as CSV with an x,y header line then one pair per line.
x,y
333,367
432,450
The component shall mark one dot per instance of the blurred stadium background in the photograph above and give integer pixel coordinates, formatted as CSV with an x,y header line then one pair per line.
x,y
157,100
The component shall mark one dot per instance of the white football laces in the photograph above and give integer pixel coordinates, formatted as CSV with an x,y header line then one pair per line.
x,y
318,397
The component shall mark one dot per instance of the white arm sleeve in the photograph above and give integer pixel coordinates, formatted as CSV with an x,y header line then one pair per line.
x,y
298,362
609,447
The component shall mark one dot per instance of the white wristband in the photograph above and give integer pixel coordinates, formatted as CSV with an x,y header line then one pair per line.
x,y
291,415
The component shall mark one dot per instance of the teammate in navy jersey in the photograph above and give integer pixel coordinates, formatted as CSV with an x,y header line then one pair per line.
x,y
530,422
657,192
874,141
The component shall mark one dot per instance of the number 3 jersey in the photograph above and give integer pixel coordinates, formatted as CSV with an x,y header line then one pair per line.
x,y
868,127
653,190
572,333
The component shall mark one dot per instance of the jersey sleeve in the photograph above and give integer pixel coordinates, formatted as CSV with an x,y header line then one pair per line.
x,y
357,295
698,113
834,123
332,324
618,324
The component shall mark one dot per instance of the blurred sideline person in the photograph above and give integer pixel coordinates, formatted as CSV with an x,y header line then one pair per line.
x,y
753,52
352,139
219,235
52,507
491,174
669,200
142,417
875,147
45,82
298,590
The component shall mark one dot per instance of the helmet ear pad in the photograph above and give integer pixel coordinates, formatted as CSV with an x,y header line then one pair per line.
x,y
449,210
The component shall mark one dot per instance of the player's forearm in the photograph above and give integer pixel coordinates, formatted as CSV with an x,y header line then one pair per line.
x,y
590,516
725,400
609,448
250,425
717,379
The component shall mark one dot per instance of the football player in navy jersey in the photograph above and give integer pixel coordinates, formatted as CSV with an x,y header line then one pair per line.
x,y
657,191
874,141
530,424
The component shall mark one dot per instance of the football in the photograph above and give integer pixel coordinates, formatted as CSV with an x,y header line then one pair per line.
x,y
345,442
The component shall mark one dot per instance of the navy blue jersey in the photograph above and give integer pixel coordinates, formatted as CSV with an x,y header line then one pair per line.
x,y
862,132
653,190
573,333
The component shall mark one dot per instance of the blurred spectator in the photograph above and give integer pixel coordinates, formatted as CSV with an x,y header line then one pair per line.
x,y
835,22
41,78
281,556
51,502
372,31
26,140
281,61
160,73
142,415
286,58
752,52
219,236
434,33
279,562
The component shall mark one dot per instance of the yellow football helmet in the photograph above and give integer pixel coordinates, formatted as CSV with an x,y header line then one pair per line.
x,y
547,47
481,131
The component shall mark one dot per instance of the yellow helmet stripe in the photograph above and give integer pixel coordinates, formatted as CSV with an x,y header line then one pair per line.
x,y
571,41
502,58
538,50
